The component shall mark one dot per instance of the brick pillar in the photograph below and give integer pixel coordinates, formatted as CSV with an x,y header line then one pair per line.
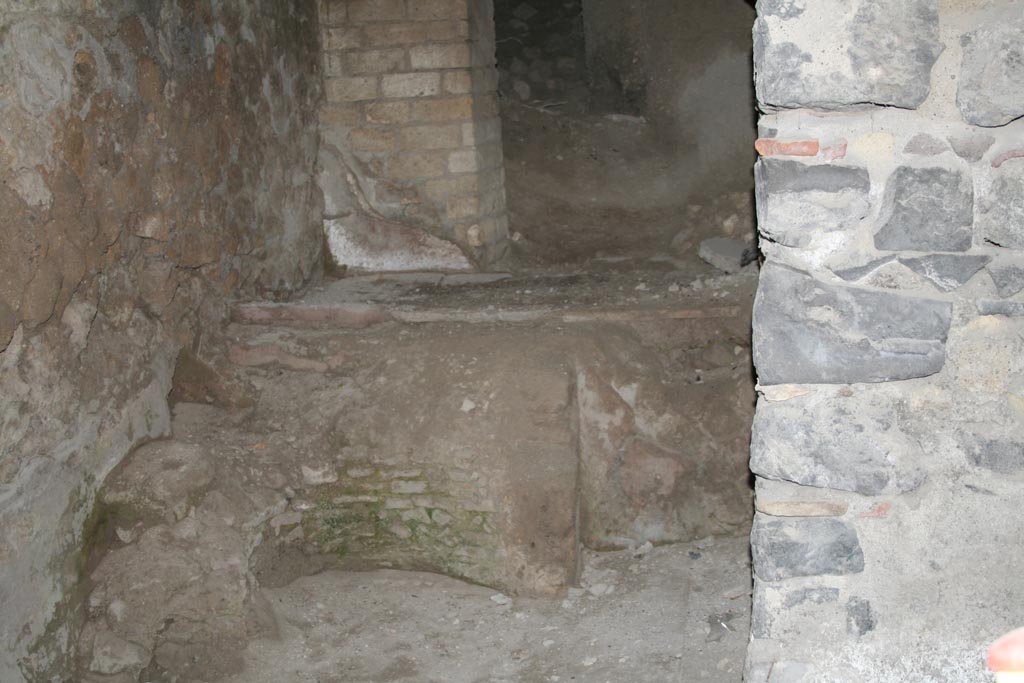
x,y
410,127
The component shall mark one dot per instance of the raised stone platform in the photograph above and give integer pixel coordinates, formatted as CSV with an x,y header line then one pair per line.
x,y
514,423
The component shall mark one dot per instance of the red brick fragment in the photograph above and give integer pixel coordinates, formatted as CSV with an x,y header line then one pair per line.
x,y
878,511
1006,156
834,151
769,147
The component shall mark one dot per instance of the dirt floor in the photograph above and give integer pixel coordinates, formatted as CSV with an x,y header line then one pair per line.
x,y
588,186
675,613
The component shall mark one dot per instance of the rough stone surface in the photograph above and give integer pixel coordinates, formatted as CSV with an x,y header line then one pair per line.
x,y
993,68
830,440
860,619
806,331
1001,456
797,201
113,655
925,145
1007,308
785,549
642,472
927,209
1008,278
158,158
946,271
971,146
1001,209
836,54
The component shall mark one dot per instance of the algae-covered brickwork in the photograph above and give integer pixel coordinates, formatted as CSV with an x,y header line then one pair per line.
x,y
409,517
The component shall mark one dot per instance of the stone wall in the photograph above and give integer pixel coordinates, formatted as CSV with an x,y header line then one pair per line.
x,y
411,134
888,338
158,157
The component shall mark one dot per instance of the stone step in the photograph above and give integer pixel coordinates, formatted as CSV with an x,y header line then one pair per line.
x,y
360,302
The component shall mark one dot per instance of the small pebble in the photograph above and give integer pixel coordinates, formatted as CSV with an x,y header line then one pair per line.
x,y
642,550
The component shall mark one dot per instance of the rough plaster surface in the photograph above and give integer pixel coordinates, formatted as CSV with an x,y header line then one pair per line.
x,y
156,158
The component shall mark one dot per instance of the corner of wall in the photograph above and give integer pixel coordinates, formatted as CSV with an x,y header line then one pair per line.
x,y
888,334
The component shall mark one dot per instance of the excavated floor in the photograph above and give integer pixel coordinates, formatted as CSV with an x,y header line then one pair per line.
x,y
497,430
677,613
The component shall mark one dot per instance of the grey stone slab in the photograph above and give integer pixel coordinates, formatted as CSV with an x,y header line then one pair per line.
x,y
807,331
1001,208
780,175
1011,309
927,209
785,549
850,443
925,145
1001,456
873,52
946,271
860,618
1008,278
971,146
795,201
990,92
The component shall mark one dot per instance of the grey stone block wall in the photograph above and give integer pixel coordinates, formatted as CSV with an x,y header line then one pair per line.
x,y
888,445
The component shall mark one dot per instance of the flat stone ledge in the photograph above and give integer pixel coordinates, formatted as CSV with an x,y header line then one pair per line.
x,y
357,316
